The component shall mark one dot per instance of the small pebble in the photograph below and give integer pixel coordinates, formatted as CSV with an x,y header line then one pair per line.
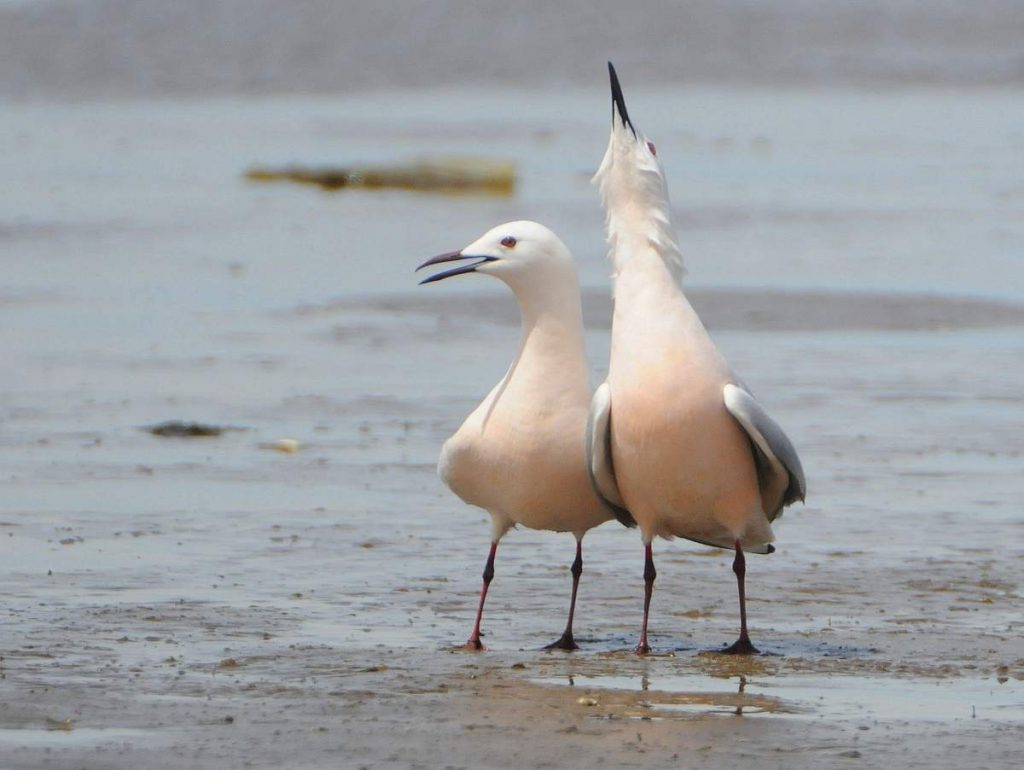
x,y
288,446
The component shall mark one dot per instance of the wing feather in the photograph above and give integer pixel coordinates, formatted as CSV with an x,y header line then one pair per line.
x,y
599,455
779,472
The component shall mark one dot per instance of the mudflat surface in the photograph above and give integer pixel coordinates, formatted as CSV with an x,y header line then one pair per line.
x,y
212,602
729,309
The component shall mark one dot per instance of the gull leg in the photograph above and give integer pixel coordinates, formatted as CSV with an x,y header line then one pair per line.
x,y
741,646
566,642
474,642
650,573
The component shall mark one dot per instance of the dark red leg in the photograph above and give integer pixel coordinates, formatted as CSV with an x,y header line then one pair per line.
x,y
566,642
649,574
474,642
741,646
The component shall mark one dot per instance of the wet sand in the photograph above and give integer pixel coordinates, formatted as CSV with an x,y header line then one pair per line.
x,y
210,602
729,309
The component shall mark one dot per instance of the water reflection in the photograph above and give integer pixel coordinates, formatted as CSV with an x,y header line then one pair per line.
x,y
863,698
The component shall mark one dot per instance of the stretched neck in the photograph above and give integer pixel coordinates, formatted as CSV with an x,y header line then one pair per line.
x,y
636,231
650,301
638,213
643,274
551,349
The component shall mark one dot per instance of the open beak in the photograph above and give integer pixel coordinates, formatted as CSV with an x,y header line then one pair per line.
x,y
453,256
618,102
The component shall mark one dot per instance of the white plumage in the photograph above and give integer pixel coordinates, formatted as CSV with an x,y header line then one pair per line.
x,y
520,454
687,451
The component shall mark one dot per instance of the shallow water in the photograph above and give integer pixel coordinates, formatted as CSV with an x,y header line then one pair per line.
x,y
145,281
57,738
870,699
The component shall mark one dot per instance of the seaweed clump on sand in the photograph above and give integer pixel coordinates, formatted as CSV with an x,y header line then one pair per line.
x,y
181,429
445,176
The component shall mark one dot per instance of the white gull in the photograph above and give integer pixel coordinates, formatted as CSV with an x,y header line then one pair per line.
x,y
676,442
520,454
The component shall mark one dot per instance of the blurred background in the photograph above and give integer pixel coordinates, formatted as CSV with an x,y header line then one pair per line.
x,y
148,48
848,184
827,144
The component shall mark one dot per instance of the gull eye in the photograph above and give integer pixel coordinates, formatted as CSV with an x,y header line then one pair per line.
x,y
650,146
508,242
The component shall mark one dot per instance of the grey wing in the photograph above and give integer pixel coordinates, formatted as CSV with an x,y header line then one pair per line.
x,y
599,455
779,472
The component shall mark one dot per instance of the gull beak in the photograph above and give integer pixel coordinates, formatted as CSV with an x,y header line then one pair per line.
x,y
453,256
618,102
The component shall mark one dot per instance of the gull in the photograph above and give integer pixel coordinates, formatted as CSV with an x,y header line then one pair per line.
x,y
676,442
520,454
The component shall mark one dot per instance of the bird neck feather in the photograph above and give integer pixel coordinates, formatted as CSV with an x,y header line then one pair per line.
x,y
638,213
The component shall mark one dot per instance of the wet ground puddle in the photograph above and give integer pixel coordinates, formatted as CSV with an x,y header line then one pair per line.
x,y
67,736
862,699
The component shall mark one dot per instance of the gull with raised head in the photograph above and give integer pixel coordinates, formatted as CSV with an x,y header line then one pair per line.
x,y
520,454
676,441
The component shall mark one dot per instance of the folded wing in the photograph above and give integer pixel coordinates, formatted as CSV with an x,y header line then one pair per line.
x,y
780,475
599,455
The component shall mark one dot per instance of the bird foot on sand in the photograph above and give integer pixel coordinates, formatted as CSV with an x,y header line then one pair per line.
x,y
566,642
741,646
473,645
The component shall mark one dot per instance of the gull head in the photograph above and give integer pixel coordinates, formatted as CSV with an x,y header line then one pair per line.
x,y
630,163
523,254
633,188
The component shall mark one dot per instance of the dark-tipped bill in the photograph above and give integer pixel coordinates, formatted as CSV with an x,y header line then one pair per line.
x,y
618,102
452,256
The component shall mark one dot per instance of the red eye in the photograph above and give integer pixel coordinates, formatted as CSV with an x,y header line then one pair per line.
x,y
508,242
650,146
